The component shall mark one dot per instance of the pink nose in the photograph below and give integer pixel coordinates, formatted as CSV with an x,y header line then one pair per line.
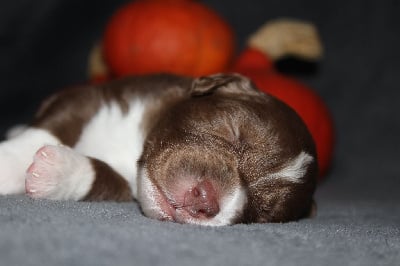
x,y
201,201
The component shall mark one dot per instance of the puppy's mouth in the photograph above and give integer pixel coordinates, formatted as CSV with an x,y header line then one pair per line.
x,y
200,202
167,211
193,203
155,204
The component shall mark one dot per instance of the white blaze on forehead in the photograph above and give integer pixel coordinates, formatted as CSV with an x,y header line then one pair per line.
x,y
296,168
293,170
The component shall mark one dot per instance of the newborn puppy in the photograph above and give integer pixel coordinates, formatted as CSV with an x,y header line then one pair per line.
x,y
208,151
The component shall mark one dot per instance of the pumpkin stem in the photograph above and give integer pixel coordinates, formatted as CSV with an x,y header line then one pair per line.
x,y
97,68
284,37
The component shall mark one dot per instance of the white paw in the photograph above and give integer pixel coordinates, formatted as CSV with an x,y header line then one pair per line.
x,y
58,172
12,175
16,155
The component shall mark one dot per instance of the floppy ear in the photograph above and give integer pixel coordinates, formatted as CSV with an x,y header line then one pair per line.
x,y
225,83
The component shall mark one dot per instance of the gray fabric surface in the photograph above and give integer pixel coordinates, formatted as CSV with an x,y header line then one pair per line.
x,y
39,232
358,220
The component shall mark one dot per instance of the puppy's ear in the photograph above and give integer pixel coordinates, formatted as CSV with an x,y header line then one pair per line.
x,y
224,83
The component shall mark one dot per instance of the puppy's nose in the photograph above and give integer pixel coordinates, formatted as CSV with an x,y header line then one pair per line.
x,y
201,201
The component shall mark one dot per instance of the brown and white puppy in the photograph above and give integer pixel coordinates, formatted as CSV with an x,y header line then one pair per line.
x,y
209,151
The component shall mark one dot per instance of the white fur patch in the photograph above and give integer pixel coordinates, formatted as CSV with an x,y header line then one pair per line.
x,y
116,138
149,197
16,155
296,168
293,171
231,206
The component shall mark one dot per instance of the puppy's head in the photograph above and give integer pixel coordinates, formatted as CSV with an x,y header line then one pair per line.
x,y
227,154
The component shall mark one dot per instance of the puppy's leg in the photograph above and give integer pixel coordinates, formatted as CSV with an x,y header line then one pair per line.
x,y
60,173
15,156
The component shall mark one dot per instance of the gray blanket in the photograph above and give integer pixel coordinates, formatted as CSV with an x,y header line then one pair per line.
x,y
358,219
39,232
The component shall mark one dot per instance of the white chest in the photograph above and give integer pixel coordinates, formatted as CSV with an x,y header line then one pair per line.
x,y
116,138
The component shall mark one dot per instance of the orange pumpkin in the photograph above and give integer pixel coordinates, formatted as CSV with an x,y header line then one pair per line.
x,y
253,59
176,36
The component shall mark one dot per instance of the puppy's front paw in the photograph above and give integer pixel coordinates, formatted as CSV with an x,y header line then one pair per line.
x,y
55,173
45,174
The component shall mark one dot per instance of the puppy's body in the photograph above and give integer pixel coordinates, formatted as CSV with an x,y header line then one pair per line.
x,y
209,151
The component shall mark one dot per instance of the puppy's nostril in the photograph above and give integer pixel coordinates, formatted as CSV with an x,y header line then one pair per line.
x,y
202,201
195,192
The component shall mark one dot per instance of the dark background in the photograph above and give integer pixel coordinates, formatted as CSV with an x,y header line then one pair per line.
x,y
44,46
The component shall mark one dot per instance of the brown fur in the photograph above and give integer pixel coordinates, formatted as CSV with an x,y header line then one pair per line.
x,y
218,127
108,185
235,135
67,112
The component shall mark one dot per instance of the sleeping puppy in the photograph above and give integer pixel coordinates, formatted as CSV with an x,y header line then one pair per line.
x,y
210,151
